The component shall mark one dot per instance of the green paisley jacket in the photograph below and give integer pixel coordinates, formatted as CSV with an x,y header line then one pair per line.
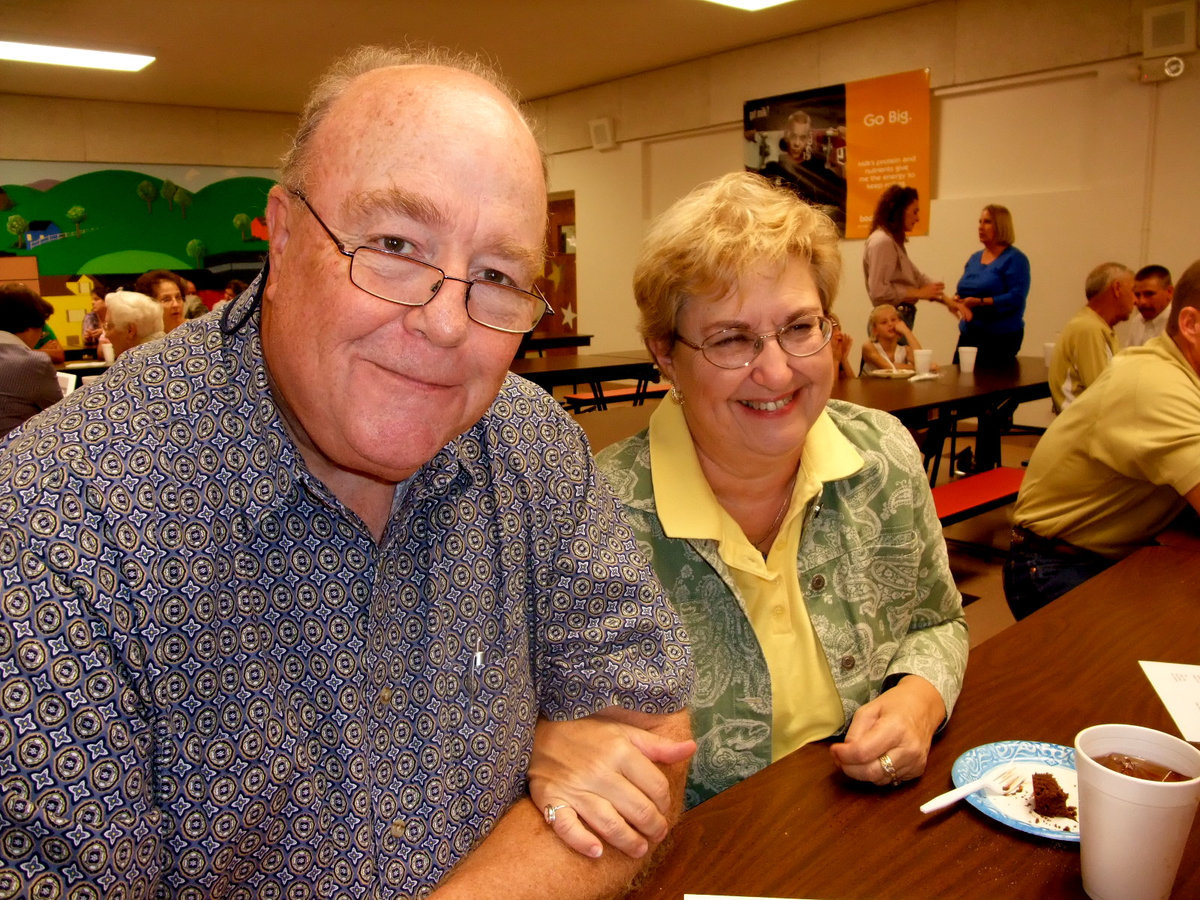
x,y
875,577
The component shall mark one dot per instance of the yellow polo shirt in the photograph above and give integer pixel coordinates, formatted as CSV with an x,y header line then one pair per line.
x,y
805,705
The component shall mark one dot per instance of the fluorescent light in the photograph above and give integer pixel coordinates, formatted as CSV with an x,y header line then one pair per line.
x,y
70,56
751,5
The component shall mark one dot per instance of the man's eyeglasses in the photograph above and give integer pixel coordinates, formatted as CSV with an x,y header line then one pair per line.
x,y
734,348
410,282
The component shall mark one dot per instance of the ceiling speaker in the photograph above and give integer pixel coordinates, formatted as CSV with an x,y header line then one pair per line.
x,y
1169,29
601,131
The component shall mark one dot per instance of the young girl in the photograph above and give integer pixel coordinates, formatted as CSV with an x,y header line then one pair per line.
x,y
884,351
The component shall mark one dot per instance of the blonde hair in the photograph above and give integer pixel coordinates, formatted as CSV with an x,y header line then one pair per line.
x,y
1006,234
877,314
703,244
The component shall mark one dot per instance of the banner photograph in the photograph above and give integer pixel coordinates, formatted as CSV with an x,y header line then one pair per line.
x,y
840,146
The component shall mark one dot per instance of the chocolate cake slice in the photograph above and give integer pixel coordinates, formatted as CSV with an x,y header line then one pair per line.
x,y
1049,799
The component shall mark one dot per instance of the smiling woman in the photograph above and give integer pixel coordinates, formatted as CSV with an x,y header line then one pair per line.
x,y
767,509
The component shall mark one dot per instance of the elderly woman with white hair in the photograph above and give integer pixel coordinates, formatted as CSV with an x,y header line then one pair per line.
x,y
795,535
130,320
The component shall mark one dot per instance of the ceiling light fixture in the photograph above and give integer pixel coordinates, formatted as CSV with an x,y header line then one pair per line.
x,y
751,5
71,56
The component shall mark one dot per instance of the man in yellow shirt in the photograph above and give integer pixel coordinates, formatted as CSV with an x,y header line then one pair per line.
x,y
1116,467
1088,342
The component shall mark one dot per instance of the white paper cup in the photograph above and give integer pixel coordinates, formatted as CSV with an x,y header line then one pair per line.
x,y
1132,832
106,351
966,359
922,361
1048,352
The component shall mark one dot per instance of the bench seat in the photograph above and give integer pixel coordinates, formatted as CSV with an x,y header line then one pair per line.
x,y
966,497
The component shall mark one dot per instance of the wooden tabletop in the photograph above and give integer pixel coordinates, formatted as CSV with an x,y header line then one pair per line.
x,y
584,368
536,342
800,829
952,391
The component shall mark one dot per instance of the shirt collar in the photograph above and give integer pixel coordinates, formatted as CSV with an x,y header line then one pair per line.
x,y
686,504
7,337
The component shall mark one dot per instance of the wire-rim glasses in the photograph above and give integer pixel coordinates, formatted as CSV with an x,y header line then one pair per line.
x,y
407,281
736,348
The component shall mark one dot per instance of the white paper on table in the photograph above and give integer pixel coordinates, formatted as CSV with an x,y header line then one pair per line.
x,y
1178,686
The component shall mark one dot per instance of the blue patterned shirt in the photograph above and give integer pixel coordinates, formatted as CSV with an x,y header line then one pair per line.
x,y
214,682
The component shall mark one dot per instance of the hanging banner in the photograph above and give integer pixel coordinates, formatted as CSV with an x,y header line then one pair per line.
x,y
840,146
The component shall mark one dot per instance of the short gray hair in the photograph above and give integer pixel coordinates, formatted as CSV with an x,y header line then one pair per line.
x,y
1102,276
344,70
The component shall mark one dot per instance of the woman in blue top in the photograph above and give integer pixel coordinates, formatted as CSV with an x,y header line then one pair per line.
x,y
994,286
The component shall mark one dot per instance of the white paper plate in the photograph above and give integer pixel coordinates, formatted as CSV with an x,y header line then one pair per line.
x,y
1016,810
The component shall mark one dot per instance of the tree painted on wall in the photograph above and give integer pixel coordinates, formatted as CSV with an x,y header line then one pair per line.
x,y
18,225
148,191
76,214
242,223
184,198
196,250
169,190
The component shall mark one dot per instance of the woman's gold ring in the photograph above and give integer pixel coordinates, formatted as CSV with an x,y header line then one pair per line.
x,y
889,769
552,812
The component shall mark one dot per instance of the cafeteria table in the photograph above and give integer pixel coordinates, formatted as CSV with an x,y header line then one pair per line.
x,y
587,368
539,342
991,395
801,829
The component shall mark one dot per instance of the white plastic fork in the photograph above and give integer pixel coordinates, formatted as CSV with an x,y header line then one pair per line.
x,y
1008,781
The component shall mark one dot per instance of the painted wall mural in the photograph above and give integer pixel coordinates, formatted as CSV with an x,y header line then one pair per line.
x,y
120,222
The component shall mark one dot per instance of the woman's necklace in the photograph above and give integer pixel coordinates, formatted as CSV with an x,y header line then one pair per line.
x,y
787,499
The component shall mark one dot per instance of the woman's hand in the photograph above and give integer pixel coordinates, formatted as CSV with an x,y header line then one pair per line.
x,y
900,723
604,775
960,306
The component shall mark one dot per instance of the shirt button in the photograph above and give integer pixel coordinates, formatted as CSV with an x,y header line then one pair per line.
x,y
385,695
818,583
779,612
396,829
847,662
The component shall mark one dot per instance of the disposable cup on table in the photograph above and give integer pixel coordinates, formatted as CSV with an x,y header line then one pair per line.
x,y
106,352
966,359
1048,351
1133,831
923,361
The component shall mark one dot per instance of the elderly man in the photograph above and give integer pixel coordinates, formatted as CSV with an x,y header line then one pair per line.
x,y
131,319
27,380
1116,467
1087,343
1152,293
316,569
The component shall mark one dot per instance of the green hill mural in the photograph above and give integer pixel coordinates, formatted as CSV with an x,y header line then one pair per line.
x,y
120,221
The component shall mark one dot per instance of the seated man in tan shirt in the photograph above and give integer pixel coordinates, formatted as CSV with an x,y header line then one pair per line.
x,y
1116,467
1088,342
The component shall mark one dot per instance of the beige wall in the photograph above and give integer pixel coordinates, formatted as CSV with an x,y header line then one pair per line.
x,y
1034,107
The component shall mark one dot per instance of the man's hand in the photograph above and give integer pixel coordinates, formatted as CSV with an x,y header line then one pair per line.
x,y
524,858
604,773
935,290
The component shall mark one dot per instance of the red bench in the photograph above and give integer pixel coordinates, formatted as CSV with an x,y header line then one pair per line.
x,y
975,494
